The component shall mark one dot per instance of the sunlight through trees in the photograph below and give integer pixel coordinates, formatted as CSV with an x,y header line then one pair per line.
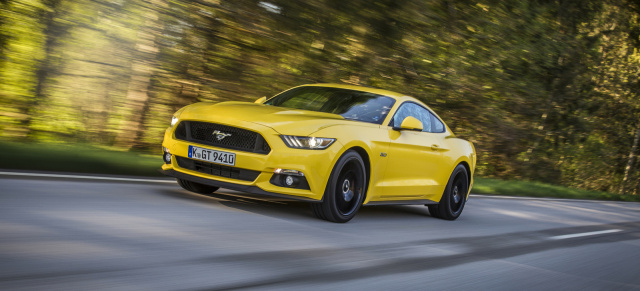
x,y
547,90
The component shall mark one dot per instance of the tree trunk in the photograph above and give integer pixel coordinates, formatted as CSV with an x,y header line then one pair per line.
x,y
137,94
632,157
52,32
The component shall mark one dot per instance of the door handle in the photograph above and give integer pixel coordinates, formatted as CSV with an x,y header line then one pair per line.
x,y
435,147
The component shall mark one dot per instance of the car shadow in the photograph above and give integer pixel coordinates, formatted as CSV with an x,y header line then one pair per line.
x,y
282,208
393,211
267,206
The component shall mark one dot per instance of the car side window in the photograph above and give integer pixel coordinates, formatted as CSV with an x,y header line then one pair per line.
x,y
416,111
437,125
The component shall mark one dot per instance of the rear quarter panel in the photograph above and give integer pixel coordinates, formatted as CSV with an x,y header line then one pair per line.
x,y
461,152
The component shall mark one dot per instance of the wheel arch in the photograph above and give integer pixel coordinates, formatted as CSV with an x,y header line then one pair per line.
x,y
467,168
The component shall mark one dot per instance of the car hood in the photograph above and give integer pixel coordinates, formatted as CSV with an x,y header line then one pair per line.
x,y
283,120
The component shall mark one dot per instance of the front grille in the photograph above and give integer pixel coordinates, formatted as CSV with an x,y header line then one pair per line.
x,y
236,139
217,170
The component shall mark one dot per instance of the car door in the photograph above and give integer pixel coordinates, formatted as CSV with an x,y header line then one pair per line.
x,y
414,157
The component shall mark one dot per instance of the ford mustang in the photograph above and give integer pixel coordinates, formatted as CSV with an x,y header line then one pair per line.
x,y
336,146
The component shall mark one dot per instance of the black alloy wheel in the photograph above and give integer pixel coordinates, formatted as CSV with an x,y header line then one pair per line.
x,y
454,196
197,187
345,190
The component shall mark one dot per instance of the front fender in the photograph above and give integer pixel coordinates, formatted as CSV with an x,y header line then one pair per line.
x,y
369,140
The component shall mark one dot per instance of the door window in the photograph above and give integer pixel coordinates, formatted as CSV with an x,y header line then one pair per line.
x,y
413,110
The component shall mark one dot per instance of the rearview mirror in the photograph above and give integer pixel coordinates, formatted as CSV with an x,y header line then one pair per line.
x,y
261,100
410,123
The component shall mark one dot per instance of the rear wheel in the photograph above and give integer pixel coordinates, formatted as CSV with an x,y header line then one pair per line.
x,y
454,196
345,190
197,187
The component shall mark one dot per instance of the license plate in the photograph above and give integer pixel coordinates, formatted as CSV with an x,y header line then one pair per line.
x,y
213,156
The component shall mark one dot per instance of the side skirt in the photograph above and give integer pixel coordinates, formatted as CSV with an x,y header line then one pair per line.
x,y
402,202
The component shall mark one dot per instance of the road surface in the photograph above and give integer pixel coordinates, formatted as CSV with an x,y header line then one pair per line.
x,y
87,234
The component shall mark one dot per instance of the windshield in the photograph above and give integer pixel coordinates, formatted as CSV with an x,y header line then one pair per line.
x,y
350,104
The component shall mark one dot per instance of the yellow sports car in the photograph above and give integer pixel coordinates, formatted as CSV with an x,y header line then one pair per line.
x,y
336,146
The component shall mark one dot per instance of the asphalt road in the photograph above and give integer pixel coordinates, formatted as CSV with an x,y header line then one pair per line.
x,y
67,234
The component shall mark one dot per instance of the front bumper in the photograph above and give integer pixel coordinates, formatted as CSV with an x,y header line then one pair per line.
x,y
232,186
316,165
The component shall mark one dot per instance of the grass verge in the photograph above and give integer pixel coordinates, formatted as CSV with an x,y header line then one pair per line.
x,y
538,189
77,158
81,158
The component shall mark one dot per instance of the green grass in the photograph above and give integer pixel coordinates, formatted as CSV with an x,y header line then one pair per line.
x,y
81,158
77,158
538,189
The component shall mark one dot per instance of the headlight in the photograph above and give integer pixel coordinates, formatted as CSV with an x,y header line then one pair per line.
x,y
306,142
174,120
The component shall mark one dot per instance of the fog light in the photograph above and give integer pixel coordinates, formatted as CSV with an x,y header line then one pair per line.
x,y
288,180
166,156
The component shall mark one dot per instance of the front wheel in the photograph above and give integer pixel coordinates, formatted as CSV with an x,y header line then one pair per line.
x,y
197,187
345,190
454,196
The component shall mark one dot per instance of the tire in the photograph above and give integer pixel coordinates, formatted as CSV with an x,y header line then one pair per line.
x,y
433,210
345,190
197,187
454,196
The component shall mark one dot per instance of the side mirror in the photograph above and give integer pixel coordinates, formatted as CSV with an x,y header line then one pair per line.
x,y
410,123
261,100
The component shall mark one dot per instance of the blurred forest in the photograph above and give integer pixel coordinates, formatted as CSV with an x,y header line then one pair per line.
x,y
547,90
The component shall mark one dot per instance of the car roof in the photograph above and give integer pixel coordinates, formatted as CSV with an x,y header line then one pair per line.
x,y
392,94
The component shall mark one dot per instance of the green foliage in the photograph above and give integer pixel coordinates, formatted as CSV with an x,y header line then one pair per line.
x,y
77,158
546,90
537,189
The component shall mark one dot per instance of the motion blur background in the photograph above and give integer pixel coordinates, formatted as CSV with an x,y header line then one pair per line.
x,y
547,90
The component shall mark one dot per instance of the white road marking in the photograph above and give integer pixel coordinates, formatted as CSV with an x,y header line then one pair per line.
x,y
86,177
566,236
